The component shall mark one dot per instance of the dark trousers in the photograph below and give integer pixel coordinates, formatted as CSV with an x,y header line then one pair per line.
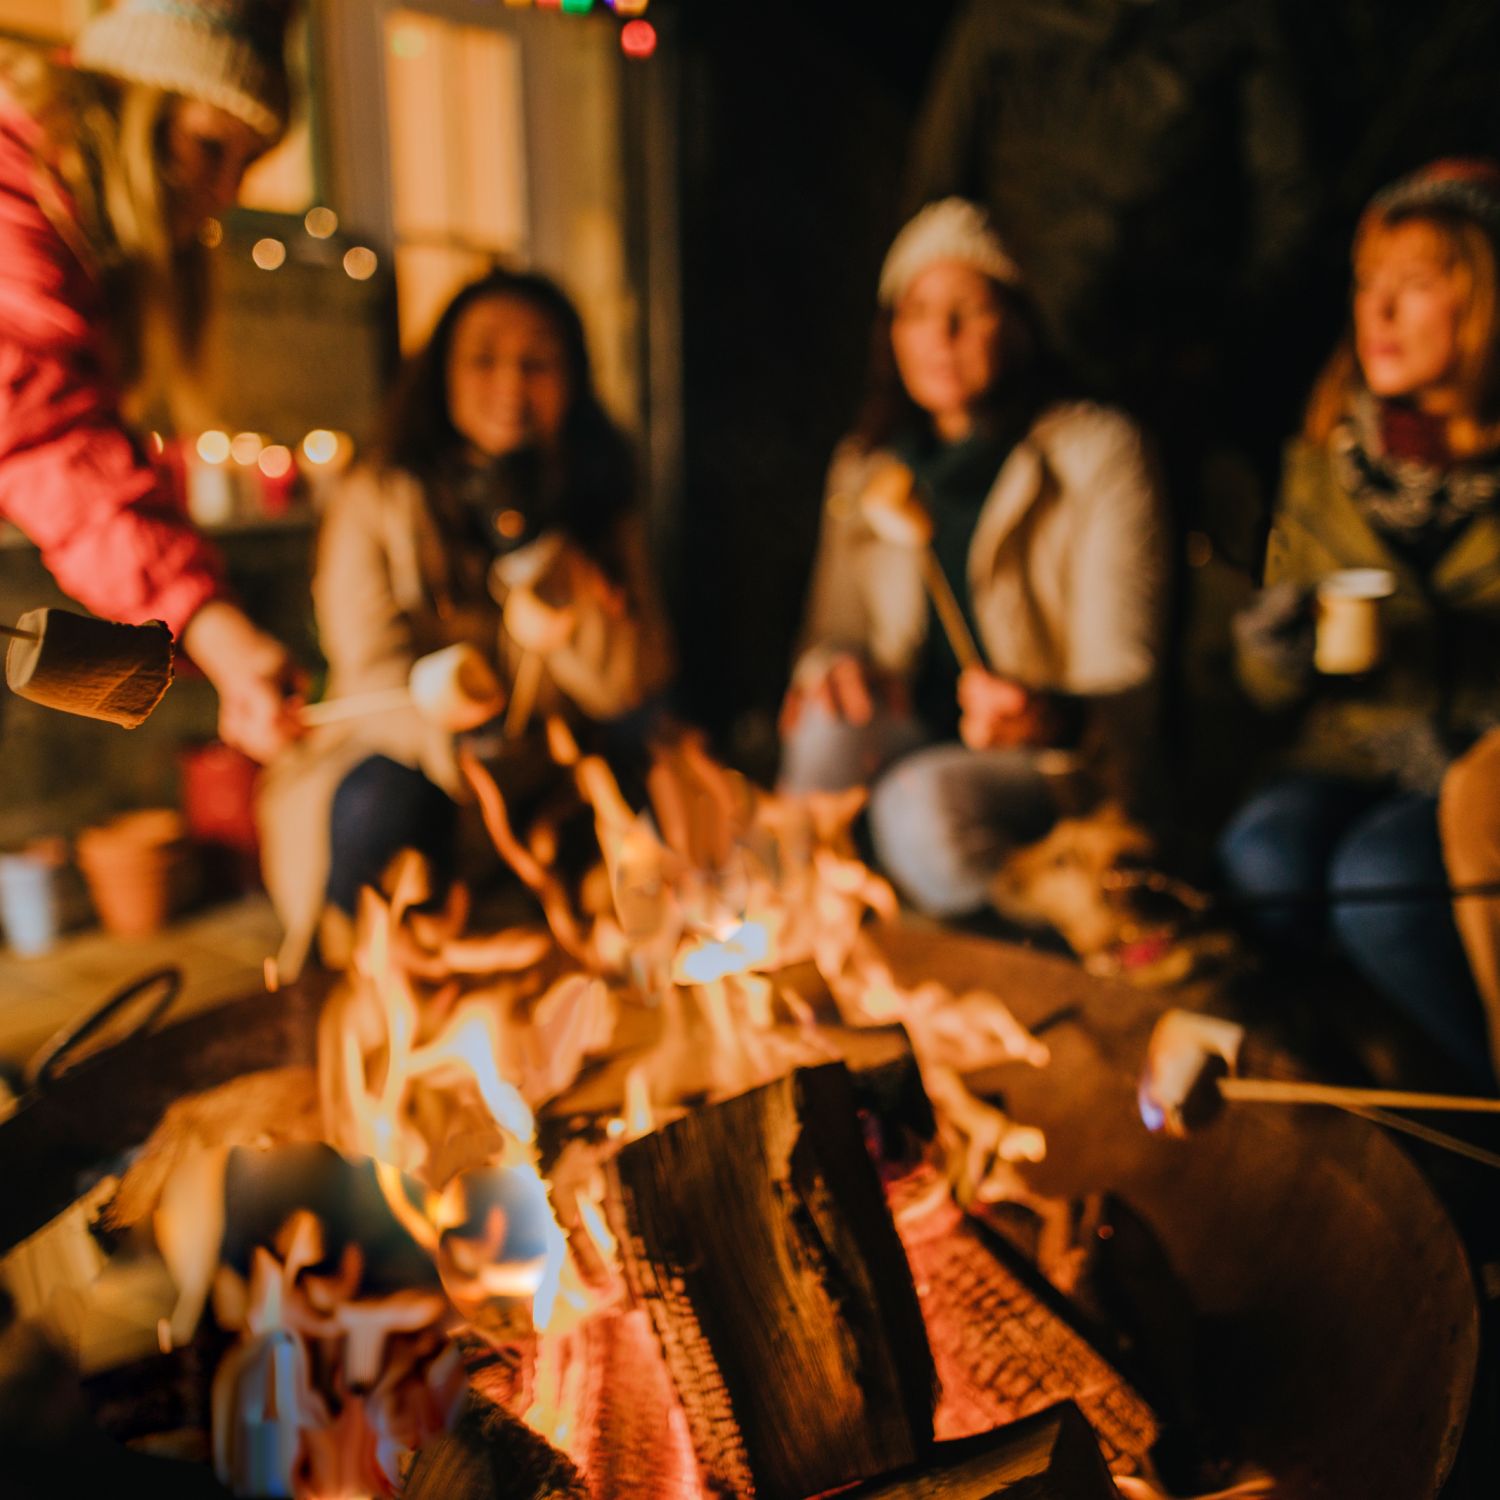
x,y
380,808
1327,839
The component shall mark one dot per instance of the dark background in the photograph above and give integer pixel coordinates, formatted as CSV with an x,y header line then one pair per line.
x,y
795,127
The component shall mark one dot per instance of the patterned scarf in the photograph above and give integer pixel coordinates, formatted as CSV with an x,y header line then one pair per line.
x,y
1399,473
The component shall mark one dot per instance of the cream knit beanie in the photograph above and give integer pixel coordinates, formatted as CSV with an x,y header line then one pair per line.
x,y
952,229
224,52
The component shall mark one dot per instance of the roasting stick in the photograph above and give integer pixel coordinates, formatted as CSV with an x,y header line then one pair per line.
x,y
523,693
537,628
1189,1051
1439,1138
955,627
1365,1103
19,635
356,706
454,688
1294,1091
895,515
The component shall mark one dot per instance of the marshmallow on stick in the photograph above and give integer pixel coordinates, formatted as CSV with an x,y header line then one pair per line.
x,y
538,629
894,513
453,688
96,668
1190,1072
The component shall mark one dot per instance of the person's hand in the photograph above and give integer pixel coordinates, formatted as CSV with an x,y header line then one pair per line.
x,y
996,712
258,684
1187,1055
588,586
842,689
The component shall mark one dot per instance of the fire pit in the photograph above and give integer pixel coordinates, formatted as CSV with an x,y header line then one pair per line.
x,y
1337,1329
1287,1287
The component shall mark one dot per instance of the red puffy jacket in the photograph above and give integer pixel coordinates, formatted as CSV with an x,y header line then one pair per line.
x,y
72,477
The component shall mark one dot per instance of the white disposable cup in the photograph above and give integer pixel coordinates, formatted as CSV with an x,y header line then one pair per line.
x,y
1350,635
29,902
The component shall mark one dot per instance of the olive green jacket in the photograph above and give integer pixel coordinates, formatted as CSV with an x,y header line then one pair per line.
x,y
1439,684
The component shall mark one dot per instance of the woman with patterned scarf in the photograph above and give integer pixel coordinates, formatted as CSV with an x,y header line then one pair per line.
x,y
1398,470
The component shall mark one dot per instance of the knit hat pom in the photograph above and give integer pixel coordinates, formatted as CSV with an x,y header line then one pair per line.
x,y
227,53
952,229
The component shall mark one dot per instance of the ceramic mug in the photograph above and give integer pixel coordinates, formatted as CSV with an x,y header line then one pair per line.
x,y
1350,635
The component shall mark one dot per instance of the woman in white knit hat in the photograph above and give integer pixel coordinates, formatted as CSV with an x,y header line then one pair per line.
x,y
109,165
1045,524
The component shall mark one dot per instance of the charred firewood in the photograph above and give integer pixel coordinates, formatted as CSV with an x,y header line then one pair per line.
x,y
1050,1456
756,1235
490,1454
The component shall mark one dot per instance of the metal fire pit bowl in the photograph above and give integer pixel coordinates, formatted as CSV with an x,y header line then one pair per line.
x,y
1331,1294
76,1124
1337,1324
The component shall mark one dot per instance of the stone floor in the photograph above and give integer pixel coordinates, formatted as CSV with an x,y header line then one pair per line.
x,y
221,951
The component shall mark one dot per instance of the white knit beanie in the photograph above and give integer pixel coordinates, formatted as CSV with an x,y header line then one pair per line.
x,y
952,229
227,53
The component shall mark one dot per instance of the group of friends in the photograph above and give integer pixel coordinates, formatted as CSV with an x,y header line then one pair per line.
x,y
497,473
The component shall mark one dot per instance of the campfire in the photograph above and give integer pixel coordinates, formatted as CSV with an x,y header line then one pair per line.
x,y
720,1266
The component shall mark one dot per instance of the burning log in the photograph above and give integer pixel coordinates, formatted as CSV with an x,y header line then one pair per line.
x,y
491,1454
1050,1456
756,1235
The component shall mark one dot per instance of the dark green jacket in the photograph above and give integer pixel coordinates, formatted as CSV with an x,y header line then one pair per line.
x,y
1439,686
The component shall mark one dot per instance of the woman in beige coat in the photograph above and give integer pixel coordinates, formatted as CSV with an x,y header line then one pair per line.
x,y
500,475
1047,527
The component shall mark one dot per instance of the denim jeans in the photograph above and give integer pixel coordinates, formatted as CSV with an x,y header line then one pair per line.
x,y
380,808
941,817
1323,837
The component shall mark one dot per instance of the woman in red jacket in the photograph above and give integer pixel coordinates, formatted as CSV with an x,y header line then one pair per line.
x,y
108,168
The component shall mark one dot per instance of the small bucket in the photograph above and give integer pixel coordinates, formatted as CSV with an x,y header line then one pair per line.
x,y
138,868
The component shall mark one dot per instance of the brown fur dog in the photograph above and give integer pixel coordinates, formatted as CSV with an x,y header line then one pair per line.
x,y
1091,878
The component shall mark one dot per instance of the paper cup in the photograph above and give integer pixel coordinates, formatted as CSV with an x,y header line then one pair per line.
x,y
29,905
1350,636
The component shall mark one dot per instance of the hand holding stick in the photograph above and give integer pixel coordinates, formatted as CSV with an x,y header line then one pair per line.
x,y
539,630
893,512
1190,1062
453,688
536,627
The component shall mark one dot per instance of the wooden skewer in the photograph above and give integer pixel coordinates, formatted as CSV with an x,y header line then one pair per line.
x,y
1433,1137
19,635
955,627
1289,1091
523,694
334,710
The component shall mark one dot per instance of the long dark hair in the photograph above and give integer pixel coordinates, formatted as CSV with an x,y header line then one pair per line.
x,y
591,483
1028,376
